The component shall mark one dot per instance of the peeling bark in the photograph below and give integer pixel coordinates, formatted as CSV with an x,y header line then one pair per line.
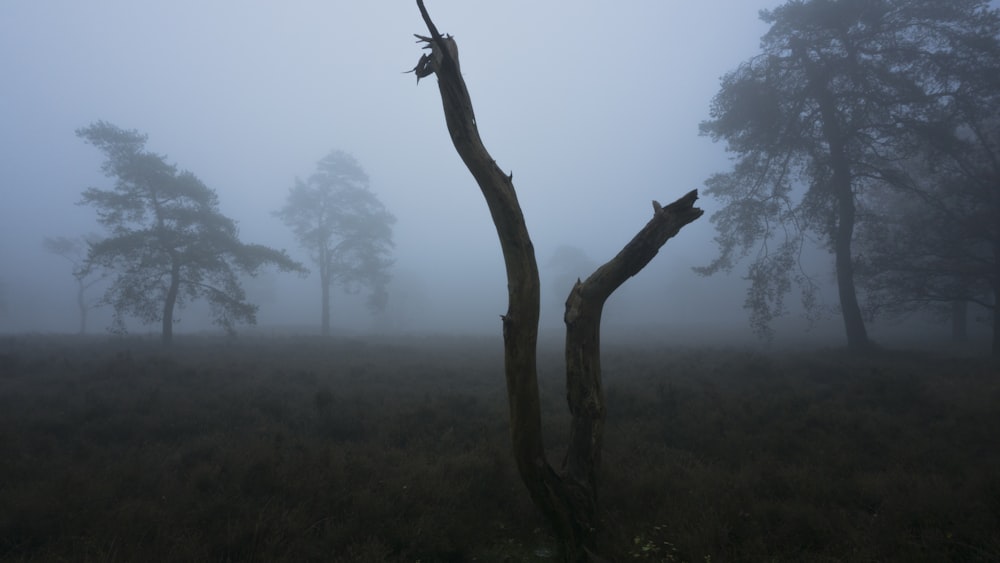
x,y
567,498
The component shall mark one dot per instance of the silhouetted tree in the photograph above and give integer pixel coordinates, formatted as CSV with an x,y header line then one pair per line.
x,y
567,497
912,256
816,120
75,251
167,242
345,229
936,240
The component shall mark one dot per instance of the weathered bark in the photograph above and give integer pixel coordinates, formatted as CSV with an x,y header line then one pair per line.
x,y
583,354
568,499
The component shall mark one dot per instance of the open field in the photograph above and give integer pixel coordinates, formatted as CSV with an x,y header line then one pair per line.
x,y
299,449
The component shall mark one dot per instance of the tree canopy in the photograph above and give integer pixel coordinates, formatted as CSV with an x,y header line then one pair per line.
x,y
345,229
167,243
818,120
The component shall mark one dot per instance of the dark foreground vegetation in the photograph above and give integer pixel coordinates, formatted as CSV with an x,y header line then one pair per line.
x,y
303,449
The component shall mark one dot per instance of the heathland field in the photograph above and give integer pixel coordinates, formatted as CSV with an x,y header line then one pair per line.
x,y
395,449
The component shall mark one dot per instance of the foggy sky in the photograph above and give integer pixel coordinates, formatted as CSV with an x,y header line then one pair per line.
x,y
594,107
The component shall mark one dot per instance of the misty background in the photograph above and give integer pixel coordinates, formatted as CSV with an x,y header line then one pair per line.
x,y
593,107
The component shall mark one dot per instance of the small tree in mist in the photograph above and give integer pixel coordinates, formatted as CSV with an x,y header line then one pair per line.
x,y
167,242
819,118
567,496
934,241
75,251
345,229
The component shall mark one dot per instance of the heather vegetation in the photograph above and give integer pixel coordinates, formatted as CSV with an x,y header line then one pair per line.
x,y
307,449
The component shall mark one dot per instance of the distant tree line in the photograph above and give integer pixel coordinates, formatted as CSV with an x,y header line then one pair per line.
x,y
167,243
869,127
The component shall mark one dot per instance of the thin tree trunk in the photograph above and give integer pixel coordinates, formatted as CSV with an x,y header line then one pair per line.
x,y
167,335
324,281
854,323
842,190
568,499
81,304
325,307
996,314
585,392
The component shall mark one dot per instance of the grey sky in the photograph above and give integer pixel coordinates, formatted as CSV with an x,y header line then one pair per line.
x,y
594,106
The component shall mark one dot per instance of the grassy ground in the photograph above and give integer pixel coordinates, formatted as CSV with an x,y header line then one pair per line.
x,y
299,449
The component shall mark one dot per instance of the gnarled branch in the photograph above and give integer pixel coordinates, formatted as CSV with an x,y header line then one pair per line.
x,y
567,498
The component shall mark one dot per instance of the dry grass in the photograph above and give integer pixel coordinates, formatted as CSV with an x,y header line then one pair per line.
x,y
286,449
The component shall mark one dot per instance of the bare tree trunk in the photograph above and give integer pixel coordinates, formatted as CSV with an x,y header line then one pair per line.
x,y
81,303
854,323
568,499
325,306
167,335
842,189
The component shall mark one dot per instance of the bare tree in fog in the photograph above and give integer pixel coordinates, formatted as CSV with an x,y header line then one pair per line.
x,y
345,229
167,242
818,119
75,251
911,256
567,497
936,239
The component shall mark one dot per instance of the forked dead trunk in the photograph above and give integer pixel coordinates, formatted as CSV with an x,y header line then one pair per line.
x,y
567,497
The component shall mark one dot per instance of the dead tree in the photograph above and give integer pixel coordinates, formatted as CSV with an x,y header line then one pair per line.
x,y
567,497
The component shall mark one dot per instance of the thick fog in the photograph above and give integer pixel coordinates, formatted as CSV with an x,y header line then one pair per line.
x,y
594,107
